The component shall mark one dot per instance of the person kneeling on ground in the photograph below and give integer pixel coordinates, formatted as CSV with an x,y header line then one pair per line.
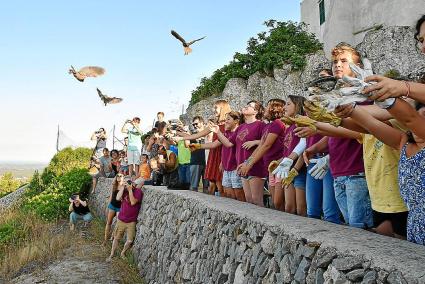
x,y
131,200
79,210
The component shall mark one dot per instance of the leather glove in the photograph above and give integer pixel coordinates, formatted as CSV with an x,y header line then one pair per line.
x,y
321,167
272,166
291,175
300,121
282,169
316,112
194,147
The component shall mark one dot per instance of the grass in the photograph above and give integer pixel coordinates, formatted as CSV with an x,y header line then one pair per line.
x,y
28,244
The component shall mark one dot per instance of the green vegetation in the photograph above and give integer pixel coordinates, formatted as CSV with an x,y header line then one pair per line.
x,y
8,184
283,43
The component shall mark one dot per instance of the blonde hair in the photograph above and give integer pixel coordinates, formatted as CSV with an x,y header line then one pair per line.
x,y
224,110
345,47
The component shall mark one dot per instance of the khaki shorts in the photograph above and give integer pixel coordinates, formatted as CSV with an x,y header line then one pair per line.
x,y
122,227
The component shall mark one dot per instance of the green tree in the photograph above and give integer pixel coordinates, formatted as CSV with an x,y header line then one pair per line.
x,y
282,43
8,184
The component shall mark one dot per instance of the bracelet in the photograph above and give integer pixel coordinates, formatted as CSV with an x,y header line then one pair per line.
x,y
408,89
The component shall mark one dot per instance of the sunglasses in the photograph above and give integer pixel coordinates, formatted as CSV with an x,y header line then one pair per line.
x,y
120,176
195,124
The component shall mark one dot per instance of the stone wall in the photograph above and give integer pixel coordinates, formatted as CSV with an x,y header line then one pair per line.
x,y
188,237
392,48
12,199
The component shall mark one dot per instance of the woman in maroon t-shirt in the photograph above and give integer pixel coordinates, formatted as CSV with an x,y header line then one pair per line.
x,y
270,148
251,130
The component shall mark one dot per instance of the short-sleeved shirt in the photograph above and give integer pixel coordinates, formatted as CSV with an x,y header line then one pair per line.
x,y
249,132
80,210
197,157
381,169
276,150
105,162
183,153
134,139
290,141
228,155
129,213
345,156
145,171
313,140
101,143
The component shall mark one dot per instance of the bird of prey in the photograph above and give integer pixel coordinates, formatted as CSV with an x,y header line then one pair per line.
x,y
88,71
186,45
108,100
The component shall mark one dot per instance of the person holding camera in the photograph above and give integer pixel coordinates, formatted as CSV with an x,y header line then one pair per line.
x,y
134,148
100,136
130,196
79,211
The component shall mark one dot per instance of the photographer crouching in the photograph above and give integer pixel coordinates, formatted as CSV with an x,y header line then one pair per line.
x,y
79,211
130,196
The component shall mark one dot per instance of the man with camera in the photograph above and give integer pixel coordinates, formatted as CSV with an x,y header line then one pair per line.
x,y
100,137
130,196
134,148
79,211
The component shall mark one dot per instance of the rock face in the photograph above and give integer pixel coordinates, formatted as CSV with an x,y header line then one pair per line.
x,y
189,237
391,48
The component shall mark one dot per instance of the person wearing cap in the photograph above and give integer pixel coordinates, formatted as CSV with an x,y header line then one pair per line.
x,y
130,196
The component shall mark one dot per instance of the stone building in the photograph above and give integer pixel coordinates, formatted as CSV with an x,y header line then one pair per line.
x,y
333,21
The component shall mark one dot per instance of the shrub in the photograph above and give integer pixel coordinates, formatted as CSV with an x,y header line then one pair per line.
x,y
52,203
66,160
8,184
283,43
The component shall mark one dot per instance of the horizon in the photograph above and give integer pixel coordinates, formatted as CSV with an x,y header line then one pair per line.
x,y
144,64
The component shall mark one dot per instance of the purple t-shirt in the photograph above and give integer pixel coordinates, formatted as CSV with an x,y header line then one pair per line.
x,y
248,132
129,213
313,139
346,156
228,155
290,141
276,150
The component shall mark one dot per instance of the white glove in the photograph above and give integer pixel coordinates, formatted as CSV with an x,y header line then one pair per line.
x,y
321,167
283,169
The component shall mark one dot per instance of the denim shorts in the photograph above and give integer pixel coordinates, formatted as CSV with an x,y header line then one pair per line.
x,y
231,179
113,208
300,180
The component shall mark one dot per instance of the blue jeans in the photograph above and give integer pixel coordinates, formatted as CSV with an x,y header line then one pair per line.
x,y
196,172
352,196
73,217
184,173
320,196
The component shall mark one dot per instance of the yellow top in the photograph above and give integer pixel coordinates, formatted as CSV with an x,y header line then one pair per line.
x,y
381,168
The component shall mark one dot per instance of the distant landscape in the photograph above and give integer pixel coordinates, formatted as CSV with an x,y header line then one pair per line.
x,y
21,170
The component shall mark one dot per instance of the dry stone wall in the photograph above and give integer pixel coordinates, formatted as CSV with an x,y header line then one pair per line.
x,y
189,237
10,200
391,48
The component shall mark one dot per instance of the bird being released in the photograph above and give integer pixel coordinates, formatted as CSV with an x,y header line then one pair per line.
x,y
88,71
108,100
186,45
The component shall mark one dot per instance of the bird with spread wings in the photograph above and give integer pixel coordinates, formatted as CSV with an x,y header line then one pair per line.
x,y
88,71
108,100
186,45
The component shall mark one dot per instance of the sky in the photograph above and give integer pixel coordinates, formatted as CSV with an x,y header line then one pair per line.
x,y
144,64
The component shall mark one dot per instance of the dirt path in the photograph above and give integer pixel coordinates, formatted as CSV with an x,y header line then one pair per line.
x,y
82,263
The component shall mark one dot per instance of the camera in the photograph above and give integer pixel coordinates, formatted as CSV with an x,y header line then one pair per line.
x,y
129,182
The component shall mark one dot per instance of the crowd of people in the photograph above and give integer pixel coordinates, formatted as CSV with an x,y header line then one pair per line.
x,y
362,165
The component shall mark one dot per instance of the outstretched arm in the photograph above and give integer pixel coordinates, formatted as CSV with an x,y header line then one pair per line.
x,y
202,133
409,117
385,133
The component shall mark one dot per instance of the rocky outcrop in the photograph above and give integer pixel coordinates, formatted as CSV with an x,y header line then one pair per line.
x,y
392,48
189,237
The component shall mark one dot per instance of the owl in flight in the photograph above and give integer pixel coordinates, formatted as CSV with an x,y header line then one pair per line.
x,y
88,71
108,100
186,45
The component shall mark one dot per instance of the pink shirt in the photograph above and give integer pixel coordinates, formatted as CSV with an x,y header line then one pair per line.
x,y
128,212
276,150
290,141
228,155
248,132
345,156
